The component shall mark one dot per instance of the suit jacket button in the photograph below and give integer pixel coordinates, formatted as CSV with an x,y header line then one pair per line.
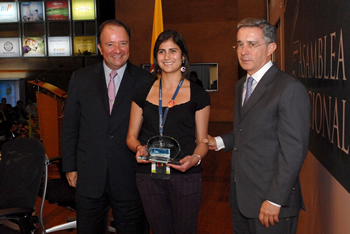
x,y
240,129
110,136
235,149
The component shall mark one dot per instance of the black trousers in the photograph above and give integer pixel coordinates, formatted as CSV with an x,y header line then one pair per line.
x,y
171,206
92,214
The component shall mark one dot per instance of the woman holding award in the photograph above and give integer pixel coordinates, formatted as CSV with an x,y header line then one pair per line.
x,y
169,118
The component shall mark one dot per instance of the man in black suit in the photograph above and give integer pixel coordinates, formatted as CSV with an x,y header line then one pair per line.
x,y
95,156
269,139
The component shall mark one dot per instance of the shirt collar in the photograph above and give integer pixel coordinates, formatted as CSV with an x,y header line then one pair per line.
x,y
120,71
259,74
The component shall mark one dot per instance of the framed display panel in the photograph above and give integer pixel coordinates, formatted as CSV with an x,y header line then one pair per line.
x,y
83,9
59,46
57,10
9,47
32,11
10,89
8,12
84,45
33,47
207,73
47,28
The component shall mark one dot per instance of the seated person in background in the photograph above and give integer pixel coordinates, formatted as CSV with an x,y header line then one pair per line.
x,y
21,115
10,114
194,78
5,119
4,102
31,108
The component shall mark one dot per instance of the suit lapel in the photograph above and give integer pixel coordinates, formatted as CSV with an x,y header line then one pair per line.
x,y
259,89
125,86
240,93
102,86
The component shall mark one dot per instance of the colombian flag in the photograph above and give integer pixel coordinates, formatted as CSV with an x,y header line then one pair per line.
x,y
157,26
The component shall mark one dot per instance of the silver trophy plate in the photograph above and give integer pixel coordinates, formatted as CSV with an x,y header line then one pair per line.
x,y
162,149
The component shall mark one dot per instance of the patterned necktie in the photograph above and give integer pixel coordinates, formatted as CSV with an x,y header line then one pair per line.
x,y
111,90
249,89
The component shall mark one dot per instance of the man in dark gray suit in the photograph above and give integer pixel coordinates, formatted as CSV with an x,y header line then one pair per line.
x,y
269,139
95,156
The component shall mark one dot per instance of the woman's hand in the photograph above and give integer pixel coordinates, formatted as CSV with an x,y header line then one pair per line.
x,y
141,152
186,163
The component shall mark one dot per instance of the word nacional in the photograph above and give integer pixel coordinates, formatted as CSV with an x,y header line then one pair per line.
x,y
322,61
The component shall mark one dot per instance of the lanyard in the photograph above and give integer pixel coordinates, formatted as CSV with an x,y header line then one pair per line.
x,y
170,104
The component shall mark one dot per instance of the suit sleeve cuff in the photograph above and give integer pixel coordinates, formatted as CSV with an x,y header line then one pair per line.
x,y
273,203
219,143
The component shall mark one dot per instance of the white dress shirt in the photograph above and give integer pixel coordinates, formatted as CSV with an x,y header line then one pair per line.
x,y
117,79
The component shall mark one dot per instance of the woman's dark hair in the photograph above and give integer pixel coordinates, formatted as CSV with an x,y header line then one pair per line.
x,y
180,42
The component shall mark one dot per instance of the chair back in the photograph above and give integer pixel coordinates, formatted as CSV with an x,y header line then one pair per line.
x,y
21,171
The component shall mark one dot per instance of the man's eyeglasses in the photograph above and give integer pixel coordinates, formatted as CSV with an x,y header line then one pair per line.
x,y
250,45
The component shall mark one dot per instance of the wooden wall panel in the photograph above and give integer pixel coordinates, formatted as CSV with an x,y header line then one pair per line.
x,y
138,15
252,9
200,11
207,44
209,28
276,16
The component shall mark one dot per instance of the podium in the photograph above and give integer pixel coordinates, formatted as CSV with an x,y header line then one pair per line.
x,y
50,103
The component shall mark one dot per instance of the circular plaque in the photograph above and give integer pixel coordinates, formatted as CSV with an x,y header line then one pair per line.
x,y
163,147
8,46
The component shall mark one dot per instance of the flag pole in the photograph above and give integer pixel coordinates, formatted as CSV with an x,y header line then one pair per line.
x,y
157,27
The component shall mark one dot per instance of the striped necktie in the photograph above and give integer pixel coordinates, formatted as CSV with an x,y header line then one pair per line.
x,y
249,89
111,90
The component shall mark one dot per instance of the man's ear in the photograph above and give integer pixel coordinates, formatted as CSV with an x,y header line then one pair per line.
x,y
271,48
99,48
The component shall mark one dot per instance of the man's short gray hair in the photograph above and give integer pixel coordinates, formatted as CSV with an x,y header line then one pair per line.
x,y
269,30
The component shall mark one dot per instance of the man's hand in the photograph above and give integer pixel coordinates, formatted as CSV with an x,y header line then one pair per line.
x,y
269,214
72,178
211,142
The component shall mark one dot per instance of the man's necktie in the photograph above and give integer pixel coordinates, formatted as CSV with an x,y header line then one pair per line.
x,y
249,89
111,90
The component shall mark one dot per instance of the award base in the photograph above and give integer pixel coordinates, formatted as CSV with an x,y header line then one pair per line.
x,y
160,160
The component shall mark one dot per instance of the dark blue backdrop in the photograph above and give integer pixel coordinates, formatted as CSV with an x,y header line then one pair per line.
x,y
317,49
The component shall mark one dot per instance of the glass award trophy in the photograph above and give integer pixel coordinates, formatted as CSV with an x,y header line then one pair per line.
x,y
162,149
